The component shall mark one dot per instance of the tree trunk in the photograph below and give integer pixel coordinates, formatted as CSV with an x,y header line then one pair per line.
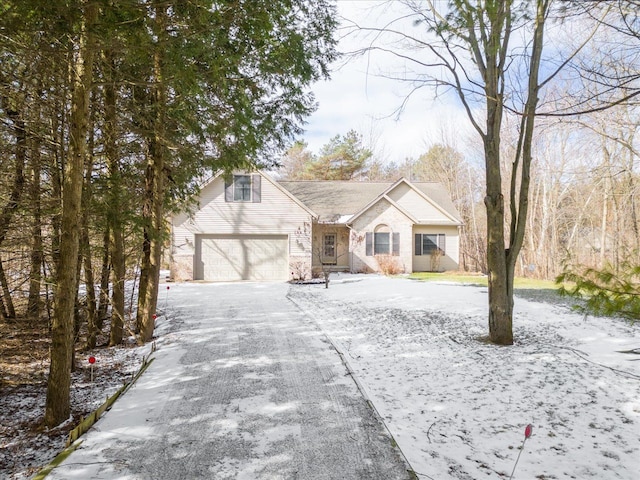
x,y
14,198
92,329
154,192
117,302
85,247
114,216
7,311
105,272
58,406
500,301
502,262
152,245
34,305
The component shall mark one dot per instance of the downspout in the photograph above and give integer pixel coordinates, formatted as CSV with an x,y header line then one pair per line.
x,y
350,249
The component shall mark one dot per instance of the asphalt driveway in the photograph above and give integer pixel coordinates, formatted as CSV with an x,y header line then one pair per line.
x,y
243,386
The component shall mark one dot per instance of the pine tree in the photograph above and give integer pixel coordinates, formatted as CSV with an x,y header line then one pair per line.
x,y
343,158
608,291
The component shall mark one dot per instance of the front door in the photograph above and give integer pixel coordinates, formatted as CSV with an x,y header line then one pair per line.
x,y
329,249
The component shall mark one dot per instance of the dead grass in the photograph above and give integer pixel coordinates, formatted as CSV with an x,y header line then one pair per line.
x,y
24,352
25,444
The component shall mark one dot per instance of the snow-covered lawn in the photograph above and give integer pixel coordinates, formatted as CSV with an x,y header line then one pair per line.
x,y
458,407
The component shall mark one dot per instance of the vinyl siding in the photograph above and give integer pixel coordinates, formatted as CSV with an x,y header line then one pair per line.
x,y
416,205
450,261
276,214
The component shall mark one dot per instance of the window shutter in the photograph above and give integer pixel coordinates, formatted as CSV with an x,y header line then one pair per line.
x,y
418,244
256,188
228,191
396,244
369,242
441,242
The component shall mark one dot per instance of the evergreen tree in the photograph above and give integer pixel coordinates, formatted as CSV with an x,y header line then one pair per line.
x,y
343,158
607,291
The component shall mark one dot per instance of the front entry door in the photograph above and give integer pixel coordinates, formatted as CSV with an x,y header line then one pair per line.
x,y
329,249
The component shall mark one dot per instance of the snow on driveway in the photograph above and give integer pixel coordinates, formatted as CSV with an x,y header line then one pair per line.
x,y
458,407
243,386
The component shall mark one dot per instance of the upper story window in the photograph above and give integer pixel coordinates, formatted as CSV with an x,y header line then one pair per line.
x,y
243,188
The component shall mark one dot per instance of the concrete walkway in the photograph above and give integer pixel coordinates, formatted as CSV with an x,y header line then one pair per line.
x,y
243,386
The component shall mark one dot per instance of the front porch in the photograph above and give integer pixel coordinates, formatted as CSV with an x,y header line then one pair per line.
x,y
330,248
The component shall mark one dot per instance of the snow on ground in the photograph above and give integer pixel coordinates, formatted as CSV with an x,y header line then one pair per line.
x,y
458,406
25,445
244,387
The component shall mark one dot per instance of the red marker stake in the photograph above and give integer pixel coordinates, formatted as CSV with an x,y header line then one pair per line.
x,y
92,360
527,433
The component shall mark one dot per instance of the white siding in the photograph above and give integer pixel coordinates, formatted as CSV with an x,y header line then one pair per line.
x,y
416,205
276,214
450,260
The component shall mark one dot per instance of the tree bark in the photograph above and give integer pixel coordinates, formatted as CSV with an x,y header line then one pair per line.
x,y
85,247
34,305
7,312
502,261
115,213
11,206
153,206
57,408
105,273
500,300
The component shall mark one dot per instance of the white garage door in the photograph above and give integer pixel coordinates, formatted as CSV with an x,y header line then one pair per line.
x,y
263,258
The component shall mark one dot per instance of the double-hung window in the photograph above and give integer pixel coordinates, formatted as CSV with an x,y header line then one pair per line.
x,y
382,242
427,243
243,188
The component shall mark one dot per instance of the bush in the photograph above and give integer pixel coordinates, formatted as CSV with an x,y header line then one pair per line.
x,y
389,265
436,255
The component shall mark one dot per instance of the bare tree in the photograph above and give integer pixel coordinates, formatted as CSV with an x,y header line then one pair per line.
x,y
296,162
469,45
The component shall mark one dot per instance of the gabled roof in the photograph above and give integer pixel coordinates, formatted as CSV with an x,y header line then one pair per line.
x,y
341,201
333,200
276,184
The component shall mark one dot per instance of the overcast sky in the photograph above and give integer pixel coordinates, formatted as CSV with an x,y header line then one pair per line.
x,y
358,97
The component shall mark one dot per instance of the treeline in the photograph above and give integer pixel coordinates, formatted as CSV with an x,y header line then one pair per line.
x,y
584,206
111,113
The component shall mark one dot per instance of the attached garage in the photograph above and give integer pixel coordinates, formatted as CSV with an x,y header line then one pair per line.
x,y
242,257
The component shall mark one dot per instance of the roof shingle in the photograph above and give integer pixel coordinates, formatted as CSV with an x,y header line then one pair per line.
x,y
333,200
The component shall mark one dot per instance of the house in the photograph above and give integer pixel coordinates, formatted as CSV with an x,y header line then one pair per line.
x,y
252,227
